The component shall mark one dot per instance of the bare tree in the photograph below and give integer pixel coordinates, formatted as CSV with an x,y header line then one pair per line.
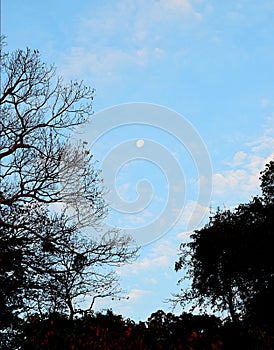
x,y
85,273
38,113
40,169
63,269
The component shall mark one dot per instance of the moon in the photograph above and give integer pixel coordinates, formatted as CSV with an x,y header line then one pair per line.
x,y
140,143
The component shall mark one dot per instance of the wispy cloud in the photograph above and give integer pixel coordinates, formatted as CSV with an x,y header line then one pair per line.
x,y
238,159
125,34
123,306
241,181
161,256
193,216
266,102
136,294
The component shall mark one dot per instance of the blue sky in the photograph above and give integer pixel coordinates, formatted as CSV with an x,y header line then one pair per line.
x,y
211,62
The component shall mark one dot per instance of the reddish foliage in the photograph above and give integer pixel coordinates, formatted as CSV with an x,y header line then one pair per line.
x,y
161,331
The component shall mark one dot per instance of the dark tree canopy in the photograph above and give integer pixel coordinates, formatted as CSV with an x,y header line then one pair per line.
x,y
267,182
230,260
50,190
11,276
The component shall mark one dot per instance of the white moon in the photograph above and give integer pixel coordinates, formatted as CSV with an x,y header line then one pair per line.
x,y
140,143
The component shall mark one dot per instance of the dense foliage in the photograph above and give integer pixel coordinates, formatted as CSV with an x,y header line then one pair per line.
x,y
230,260
161,331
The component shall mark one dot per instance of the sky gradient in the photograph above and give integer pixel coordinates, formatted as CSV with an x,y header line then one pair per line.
x,y
211,62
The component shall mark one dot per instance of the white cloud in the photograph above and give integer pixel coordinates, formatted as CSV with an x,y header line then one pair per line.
x,y
127,33
164,9
146,264
237,184
232,181
136,294
100,64
238,159
264,143
184,235
126,305
193,216
151,280
161,255
241,182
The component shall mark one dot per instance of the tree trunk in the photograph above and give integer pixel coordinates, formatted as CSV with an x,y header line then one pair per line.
x,y
71,309
231,306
